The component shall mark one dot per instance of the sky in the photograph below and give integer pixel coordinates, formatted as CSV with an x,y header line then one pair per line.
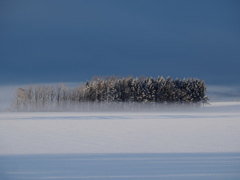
x,y
72,41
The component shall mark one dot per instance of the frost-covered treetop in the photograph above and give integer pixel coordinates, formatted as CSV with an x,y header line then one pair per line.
x,y
117,90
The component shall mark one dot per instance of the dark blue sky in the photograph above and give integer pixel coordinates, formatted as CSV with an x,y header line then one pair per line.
x,y
71,41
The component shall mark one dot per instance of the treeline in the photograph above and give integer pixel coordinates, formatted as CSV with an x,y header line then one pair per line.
x,y
105,92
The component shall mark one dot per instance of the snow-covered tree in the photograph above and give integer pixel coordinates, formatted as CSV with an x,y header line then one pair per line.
x,y
104,92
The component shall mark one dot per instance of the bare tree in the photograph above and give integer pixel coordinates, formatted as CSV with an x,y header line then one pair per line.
x,y
104,92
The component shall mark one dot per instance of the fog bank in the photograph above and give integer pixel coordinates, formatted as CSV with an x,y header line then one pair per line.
x,y
215,94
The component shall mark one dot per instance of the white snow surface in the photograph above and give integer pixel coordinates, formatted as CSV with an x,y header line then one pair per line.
x,y
165,132
199,144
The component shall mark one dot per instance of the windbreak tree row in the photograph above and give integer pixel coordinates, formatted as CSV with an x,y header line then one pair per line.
x,y
109,91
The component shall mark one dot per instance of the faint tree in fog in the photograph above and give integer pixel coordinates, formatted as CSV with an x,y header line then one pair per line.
x,y
104,92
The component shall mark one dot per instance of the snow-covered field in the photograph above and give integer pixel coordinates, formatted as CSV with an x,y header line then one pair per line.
x,y
200,144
